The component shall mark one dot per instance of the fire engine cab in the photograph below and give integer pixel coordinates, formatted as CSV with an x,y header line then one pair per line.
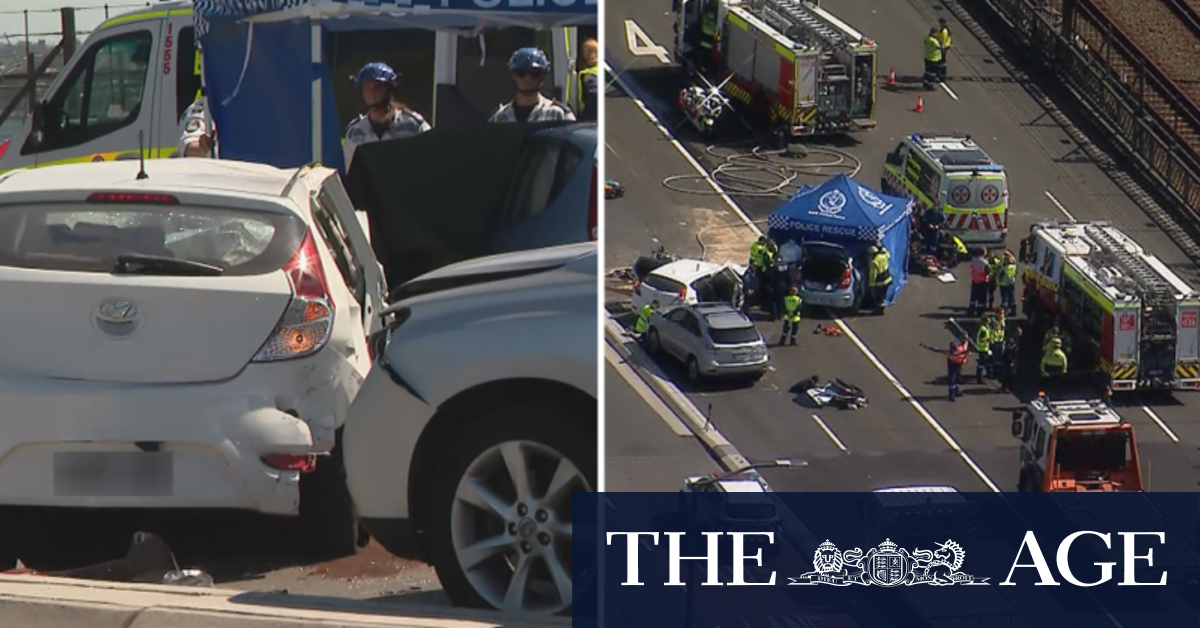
x,y
797,69
1073,446
1128,317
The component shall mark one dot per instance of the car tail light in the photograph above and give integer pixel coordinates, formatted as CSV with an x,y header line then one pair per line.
x,y
846,277
304,463
4,147
132,198
683,294
306,324
593,220
637,287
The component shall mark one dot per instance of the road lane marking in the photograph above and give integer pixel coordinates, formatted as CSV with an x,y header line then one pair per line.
x,y
682,151
947,89
640,44
643,391
1060,206
1161,424
907,396
612,150
828,432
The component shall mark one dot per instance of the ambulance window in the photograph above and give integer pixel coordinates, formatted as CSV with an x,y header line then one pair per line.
x,y
104,92
186,70
929,180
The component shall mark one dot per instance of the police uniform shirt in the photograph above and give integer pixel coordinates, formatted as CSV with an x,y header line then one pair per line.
x,y
404,123
192,126
545,110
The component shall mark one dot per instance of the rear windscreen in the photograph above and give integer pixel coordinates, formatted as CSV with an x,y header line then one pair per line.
x,y
734,336
90,239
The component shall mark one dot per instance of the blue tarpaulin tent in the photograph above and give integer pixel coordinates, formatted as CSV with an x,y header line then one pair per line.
x,y
844,211
264,69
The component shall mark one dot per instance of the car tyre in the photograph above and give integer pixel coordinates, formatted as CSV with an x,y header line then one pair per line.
x,y
328,521
475,508
693,371
653,342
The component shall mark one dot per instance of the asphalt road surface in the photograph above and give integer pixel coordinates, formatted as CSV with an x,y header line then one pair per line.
x,y
641,452
898,439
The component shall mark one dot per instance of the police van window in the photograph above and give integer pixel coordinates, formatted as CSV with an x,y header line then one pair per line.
x,y
343,254
186,70
102,94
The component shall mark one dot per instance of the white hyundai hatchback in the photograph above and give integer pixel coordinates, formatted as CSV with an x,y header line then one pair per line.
x,y
189,339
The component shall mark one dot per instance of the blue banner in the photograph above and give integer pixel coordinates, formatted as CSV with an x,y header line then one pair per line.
x,y
889,559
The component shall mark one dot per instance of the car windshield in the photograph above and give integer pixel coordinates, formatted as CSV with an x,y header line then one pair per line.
x,y
736,336
85,238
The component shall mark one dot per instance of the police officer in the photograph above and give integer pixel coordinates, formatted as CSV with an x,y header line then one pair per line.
x,y
879,276
1008,283
956,358
585,85
1056,335
979,283
999,334
385,119
983,346
198,134
643,320
756,252
1011,359
1054,362
791,315
529,67
943,35
933,57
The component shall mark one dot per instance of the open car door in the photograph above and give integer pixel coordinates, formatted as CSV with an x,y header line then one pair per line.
x,y
372,289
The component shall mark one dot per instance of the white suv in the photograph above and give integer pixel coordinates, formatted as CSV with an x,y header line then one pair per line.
x,y
192,339
479,421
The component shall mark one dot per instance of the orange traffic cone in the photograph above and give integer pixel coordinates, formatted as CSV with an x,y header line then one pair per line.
x,y
891,77
920,108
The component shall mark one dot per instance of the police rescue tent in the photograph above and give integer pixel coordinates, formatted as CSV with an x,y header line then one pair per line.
x,y
268,78
845,212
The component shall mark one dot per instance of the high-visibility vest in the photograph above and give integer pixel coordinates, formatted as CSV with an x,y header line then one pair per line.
x,y
1008,274
958,352
943,36
756,251
643,321
933,49
880,275
979,270
983,339
574,95
791,307
1054,361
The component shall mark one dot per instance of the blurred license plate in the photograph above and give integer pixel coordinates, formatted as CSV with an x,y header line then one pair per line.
x,y
113,474
743,356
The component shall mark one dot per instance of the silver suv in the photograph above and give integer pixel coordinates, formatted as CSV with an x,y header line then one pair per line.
x,y
712,339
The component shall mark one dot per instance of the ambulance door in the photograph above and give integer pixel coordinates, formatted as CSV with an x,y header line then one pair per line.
x,y
179,69
103,100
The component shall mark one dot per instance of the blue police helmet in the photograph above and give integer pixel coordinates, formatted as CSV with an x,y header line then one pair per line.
x,y
529,59
377,71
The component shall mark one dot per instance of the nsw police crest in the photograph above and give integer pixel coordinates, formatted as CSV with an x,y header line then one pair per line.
x,y
888,565
831,204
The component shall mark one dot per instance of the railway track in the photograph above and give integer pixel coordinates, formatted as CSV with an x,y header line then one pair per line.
x,y
1159,86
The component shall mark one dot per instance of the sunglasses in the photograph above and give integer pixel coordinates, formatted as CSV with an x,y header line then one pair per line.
x,y
533,73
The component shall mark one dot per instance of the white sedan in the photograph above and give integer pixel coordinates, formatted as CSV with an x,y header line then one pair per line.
x,y
192,339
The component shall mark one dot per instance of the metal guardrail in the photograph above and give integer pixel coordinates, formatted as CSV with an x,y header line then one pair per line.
x,y
1154,123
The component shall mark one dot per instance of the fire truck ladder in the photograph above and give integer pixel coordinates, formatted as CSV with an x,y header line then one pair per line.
x,y
793,11
1141,272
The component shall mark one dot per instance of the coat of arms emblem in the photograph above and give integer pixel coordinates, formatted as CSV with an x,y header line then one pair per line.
x,y
888,565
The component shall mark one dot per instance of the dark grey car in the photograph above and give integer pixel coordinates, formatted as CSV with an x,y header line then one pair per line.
x,y
712,339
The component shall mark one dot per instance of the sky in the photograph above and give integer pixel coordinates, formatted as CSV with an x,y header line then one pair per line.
x,y
44,16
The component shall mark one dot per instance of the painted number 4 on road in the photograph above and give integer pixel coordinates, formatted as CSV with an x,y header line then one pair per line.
x,y
640,44
1188,320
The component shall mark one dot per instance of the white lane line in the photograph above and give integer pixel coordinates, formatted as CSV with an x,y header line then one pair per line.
x,y
645,393
828,432
1060,206
611,149
682,151
1166,430
937,427
947,89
